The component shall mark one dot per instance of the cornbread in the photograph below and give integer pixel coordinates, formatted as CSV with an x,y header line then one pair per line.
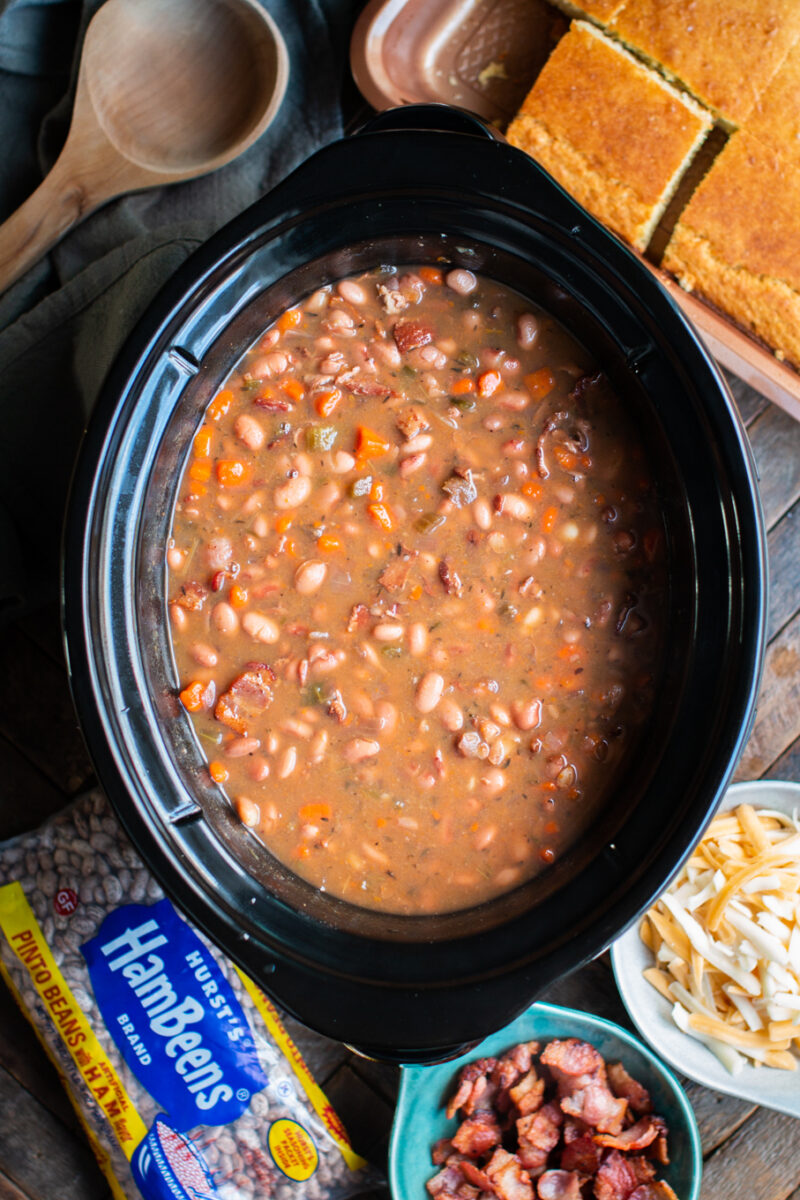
x,y
738,242
725,54
775,120
611,131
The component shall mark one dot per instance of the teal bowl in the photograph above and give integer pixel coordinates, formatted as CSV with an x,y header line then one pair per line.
x,y
420,1119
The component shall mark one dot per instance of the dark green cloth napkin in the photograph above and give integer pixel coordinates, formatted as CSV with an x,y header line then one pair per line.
x,y
62,324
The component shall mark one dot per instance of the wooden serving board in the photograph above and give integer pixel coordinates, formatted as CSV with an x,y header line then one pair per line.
x,y
484,55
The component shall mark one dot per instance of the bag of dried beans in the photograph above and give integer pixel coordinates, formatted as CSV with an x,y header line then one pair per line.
x,y
179,1066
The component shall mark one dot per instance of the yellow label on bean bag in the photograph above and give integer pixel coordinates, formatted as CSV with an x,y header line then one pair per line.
x,y
292,1149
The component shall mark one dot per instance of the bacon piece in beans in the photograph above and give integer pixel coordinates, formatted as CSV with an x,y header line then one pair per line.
x,y
477,1134
359,618
248,696
615,1178
460,488
395,577
636,1137
509,1180
472,1083
411,421
629,1089
658,1190
192,596
450,578
559,1185
581,1154
336,707
391,298
538,1134
410,335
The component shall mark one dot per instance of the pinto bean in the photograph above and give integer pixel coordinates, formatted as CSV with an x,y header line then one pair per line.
x,y
450,714
422,441
515,401
482,513
242,746
484,837
351,291
417,639
175,558
260,627
294,492
247,810
219,553
287,762
342,462
310,576
339,321
178,617
527,331
526,714
224,618
249,432
203,654
388,632
317,300
388,352
493,781
258,768
429,692
317,746
433,357
386,717
510,504
358,749
461,281
412,464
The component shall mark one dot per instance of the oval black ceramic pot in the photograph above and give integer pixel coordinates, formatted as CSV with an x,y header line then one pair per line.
x,y
410,988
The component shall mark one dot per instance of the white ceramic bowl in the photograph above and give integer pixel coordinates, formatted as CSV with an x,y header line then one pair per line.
x,y
650,1012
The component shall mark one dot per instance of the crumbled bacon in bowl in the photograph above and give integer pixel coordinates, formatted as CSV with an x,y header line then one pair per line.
x,y
553,1122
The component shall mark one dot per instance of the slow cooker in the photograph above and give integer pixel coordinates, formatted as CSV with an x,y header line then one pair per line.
x,y
419,184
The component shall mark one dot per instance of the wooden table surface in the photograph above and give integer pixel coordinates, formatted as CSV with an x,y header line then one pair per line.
x,y
750,1152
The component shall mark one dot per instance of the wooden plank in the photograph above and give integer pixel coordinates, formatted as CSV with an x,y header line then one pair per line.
x,y
788,765
749,402
778,717
718,1116
366,1116
760,1162
23,1057
784,570
30,797
383,1078
38,1155
9,1190
36,713
775,438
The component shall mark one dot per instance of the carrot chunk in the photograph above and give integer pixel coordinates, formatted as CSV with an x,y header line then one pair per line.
x,y
202,442
328,543
238,596
232,473
218,772
370,444
315,812
291,319
377,492
381,516
463,386
533,489
488,383
430,274
326,402
283,523
294,388
192,696
200,472
540,383
565,458
220,404
549,518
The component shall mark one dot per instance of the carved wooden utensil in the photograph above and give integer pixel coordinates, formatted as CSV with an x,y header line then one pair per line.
x,y
167,90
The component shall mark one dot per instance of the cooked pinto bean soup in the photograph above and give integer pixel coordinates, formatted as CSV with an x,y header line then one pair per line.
x,y
416,589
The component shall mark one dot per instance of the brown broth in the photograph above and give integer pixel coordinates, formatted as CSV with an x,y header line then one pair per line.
x,y
416,582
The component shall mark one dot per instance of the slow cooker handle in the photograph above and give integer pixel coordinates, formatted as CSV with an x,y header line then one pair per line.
x,y
432,118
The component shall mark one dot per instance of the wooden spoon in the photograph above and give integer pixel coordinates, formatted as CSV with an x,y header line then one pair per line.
x,y
167,90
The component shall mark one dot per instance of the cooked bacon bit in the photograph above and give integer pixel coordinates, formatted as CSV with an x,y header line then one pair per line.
x,y
529,587
528,1093
336,707
391,298
559,1185
571,1058
248,695
354,381
538,1134
359,617
220,578
441,1151
636,1137
658,1150
411,421
615,1178
446,1182
628,1089
658,1190
643,1169
271,402
475,1176
450,578
395,576
472,745
472,1073
460,488
410,335
192,596
550,424
581,1154
595,1105
508,1179
477,1134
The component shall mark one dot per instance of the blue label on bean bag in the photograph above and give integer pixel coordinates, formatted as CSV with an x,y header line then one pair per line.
x,y
168,1166
173,1015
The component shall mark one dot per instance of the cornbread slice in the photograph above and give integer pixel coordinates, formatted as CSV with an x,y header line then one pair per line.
x,y
738,242
724,53
775,120
610,130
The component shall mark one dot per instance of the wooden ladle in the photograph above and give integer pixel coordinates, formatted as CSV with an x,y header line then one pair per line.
x,y
167,90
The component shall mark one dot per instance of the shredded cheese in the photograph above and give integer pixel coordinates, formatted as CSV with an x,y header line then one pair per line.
x,y
726,940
